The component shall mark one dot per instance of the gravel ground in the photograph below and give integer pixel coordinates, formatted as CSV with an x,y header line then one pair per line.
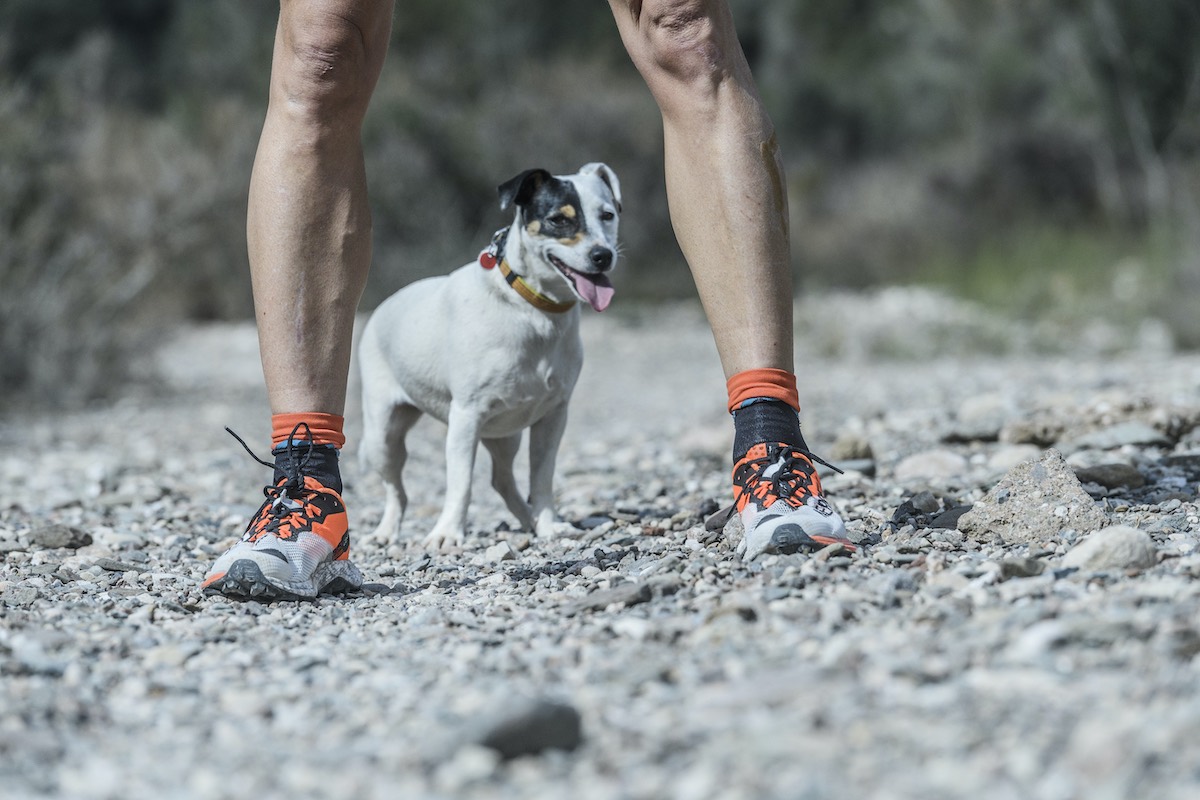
x,y
1041,645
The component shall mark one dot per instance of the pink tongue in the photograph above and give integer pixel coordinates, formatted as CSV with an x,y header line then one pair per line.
x,y
596,289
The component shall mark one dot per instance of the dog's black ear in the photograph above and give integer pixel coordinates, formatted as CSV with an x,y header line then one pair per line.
x,y
519,190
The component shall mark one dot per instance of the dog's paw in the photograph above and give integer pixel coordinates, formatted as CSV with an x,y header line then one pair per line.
x,y
376,541
385,534
443,539
547,527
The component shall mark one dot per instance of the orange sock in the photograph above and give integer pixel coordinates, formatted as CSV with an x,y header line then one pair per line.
x,y
777,384
322,428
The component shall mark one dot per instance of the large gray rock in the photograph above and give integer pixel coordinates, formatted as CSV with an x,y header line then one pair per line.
x,y
1134,433
1034,502
981,418
1112,476
932,465
1116,547
531,727
851,446
54,536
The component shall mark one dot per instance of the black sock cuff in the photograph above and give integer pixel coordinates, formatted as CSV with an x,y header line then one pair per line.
x,y
765,421
322,464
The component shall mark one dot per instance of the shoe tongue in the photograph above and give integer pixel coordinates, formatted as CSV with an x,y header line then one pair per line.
x,y
322,464
595,288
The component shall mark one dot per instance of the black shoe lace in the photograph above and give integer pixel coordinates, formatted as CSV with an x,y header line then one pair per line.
x,y
795,463
782,481
293,487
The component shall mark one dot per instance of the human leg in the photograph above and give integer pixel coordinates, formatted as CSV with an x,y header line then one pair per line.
x,y
728,204
309,224
308,231
724,176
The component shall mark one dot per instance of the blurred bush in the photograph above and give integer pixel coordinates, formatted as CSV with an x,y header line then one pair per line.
x,y
973,144
922,129
122,206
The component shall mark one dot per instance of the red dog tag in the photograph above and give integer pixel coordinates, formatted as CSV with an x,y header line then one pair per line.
x,y
487,259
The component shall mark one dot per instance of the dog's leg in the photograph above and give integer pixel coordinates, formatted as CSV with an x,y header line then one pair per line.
x,y
381,395
462,440
544,438
503,452
390,465
385,423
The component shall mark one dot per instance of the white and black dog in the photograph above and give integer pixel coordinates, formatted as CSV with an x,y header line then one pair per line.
x,y
493,348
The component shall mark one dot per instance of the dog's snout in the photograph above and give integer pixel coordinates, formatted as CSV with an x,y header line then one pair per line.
x,y
601,257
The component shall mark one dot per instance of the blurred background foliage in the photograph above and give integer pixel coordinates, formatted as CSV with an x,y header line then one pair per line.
x,y
1037,156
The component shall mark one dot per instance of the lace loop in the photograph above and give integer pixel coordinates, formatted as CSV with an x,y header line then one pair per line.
x,y
784,469
281,498
295,466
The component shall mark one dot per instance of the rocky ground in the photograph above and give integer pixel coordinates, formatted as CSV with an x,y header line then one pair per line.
x,y
1041,644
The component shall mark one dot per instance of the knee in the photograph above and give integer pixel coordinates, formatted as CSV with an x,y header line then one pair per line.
x,y
325,66
688,43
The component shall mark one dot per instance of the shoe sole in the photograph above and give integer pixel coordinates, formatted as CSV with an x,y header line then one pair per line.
x,y
790,538
245,580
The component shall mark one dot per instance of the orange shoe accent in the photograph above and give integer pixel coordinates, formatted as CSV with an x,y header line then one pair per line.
x,y
778,494
795,481
316,509
778,384
211,579
325,428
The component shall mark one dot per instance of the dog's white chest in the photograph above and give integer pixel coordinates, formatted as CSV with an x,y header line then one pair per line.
x,y
524,380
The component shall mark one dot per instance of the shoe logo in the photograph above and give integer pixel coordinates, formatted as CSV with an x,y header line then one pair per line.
x,y
821,506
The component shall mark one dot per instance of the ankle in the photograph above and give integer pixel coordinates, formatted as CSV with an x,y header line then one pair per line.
x,y
309,445
765,407
322,463
765,421
752,385
315,426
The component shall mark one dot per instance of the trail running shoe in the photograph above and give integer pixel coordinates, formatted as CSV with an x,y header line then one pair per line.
x,y
778,493
297,544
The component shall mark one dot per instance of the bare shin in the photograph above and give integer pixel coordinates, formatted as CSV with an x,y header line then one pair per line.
x,y
309,224
724,175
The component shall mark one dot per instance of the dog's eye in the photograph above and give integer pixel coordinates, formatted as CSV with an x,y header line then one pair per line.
x,y
607,216
557,219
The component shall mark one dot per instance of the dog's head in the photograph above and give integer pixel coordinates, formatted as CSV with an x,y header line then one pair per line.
x,y
567,225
